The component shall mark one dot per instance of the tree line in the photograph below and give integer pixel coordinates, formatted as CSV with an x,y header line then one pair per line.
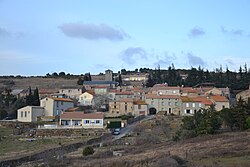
x,y
235,80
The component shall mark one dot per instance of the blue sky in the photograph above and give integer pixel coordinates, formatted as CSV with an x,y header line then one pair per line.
x,y
79,36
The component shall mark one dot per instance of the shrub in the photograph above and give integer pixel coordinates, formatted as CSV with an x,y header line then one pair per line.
x,y
88,151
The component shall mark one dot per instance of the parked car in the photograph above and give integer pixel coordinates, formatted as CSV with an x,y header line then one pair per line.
x,y
116,131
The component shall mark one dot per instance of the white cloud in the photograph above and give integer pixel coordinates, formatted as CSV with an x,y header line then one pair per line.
x,y
92,32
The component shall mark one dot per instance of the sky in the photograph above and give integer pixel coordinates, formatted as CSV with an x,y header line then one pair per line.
x,y
79,36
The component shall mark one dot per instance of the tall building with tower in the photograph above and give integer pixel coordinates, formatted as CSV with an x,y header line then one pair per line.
x,y
108,75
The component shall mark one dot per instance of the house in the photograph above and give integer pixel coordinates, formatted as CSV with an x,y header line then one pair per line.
x,y
47,92
244,95
220,102
79,119
88,85
190,92
123,95
71,91
164,89
128,107
100,90
169,104
29,113
135,77
190,105
54,106
86,99
121,107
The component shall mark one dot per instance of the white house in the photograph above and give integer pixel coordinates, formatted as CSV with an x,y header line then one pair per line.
x,y
29,113
79,119
55,106
86,99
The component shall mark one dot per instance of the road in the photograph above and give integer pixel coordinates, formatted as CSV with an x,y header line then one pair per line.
x,y
129,128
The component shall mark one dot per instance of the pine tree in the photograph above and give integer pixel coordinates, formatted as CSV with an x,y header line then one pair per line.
x,y
36,99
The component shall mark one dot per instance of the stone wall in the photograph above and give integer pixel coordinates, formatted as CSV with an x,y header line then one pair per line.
x,y
70,132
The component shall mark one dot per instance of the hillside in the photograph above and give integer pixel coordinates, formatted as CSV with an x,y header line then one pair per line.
x,y
23,83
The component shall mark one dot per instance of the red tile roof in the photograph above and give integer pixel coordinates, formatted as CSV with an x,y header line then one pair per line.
x,y
81,115
219,98
62,99
154,96
203,100
124,93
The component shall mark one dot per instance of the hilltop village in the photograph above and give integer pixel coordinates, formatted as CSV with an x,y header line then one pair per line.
x,y
88,104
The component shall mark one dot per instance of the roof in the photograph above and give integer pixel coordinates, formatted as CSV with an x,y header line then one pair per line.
x,y
154,96
200,99
203,100
72,109
124,93
62,99
219,98
140,102
126,100
100,87
71,87
189,90
81,115
16,91
98,82
186,99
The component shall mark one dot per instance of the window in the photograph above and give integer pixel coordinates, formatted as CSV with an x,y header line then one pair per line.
x,y
193,104
169,110
176,103
57,104
169,103
86,122
199,104
152,102
223,106
187,104
162,103
174,92
97,121
62,103
25,114
21,113
126,107
188,111
114,106
139,106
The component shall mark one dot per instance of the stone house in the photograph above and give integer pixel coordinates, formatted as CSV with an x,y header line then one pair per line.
x,y
71,91
220,102
169,104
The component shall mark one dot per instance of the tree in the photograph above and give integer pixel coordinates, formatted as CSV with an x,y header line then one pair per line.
x,y
120,80
150,82
88,151
36,101
3,113
62,74
29,97
54,74
80,81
